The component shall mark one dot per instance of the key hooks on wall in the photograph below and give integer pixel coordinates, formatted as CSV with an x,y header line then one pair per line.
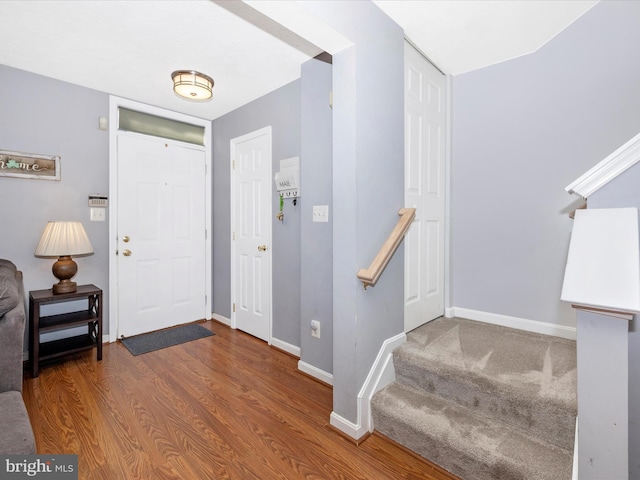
x,y
280,215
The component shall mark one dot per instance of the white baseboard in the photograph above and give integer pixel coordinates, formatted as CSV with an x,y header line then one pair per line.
x,y
381,374
286,347
513,322
221,319
347,427
315,372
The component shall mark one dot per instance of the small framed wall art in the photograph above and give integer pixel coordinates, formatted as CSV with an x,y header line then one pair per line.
x,y
29,165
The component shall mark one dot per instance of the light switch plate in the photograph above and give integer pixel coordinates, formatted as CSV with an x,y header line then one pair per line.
x,y
321,213
97,214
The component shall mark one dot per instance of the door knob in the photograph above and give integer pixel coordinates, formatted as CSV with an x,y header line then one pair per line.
x,y
125,239
126,252
262,248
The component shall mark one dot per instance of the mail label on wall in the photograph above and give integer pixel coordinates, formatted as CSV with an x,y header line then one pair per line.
x,y
288,178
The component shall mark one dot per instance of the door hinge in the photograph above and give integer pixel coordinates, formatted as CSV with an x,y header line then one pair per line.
x,y
233,164
205,299
234,235
234,307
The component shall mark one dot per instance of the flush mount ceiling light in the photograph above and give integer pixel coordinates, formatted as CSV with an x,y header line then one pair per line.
x,y
192,85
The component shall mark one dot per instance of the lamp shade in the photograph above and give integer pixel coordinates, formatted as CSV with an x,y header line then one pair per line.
x,y
192,85
63,238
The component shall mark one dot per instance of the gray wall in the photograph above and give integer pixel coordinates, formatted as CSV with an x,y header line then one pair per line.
x,y
624,191
46,116
368,189
522,130
316,300
281,110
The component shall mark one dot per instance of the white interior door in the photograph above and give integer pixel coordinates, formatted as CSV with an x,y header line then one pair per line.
x,y
161,233
251,233
425,137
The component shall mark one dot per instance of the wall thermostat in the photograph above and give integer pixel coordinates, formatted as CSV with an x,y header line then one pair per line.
x,y
98,201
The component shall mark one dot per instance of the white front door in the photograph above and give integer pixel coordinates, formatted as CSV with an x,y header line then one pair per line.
x,y
252,184
425,137
161,233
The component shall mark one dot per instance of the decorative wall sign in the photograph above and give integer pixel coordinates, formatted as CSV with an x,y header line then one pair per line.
x,y
29,165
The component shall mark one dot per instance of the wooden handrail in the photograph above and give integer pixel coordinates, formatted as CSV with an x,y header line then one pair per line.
x,y
369,276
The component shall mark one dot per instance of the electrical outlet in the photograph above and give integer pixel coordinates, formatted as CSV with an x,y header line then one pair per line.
x,y
315,328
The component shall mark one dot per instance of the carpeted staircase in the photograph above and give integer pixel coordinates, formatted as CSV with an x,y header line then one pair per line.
x,y
483,401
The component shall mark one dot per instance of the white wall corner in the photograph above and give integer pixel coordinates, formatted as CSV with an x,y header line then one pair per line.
x,y
315,372
514,322
285,347
221,319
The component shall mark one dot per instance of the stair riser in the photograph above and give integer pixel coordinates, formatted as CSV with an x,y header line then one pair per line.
x,y
451,460
550,421
458,463
458,443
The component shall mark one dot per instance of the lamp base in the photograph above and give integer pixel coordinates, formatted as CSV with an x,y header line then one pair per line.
x,y
64,286
64,269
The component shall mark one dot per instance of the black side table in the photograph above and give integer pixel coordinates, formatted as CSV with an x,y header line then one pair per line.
x,y
92,317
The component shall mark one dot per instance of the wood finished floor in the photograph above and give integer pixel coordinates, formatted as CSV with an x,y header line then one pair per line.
x,y
223,407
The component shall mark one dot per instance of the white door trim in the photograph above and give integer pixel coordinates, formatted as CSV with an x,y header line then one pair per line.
x,y
448,281
114,103
232,203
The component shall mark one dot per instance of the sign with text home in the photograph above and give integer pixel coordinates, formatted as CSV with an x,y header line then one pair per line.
x,y
29,165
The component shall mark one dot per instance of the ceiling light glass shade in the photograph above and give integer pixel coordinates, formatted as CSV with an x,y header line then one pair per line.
x,y
192,85
63,239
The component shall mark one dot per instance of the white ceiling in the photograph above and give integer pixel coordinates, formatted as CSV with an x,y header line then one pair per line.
x,y
129,48
464,35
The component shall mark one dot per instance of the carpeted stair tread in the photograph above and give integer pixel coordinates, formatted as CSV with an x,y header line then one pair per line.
x,y
483,401
506,355
469,445
525,379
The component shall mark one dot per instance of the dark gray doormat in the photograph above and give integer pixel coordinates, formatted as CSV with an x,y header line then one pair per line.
x,y
148,342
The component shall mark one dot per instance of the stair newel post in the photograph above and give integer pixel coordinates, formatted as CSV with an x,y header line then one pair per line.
x,y
602,281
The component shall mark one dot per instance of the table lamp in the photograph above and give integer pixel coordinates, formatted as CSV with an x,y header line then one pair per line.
x,y
63,239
